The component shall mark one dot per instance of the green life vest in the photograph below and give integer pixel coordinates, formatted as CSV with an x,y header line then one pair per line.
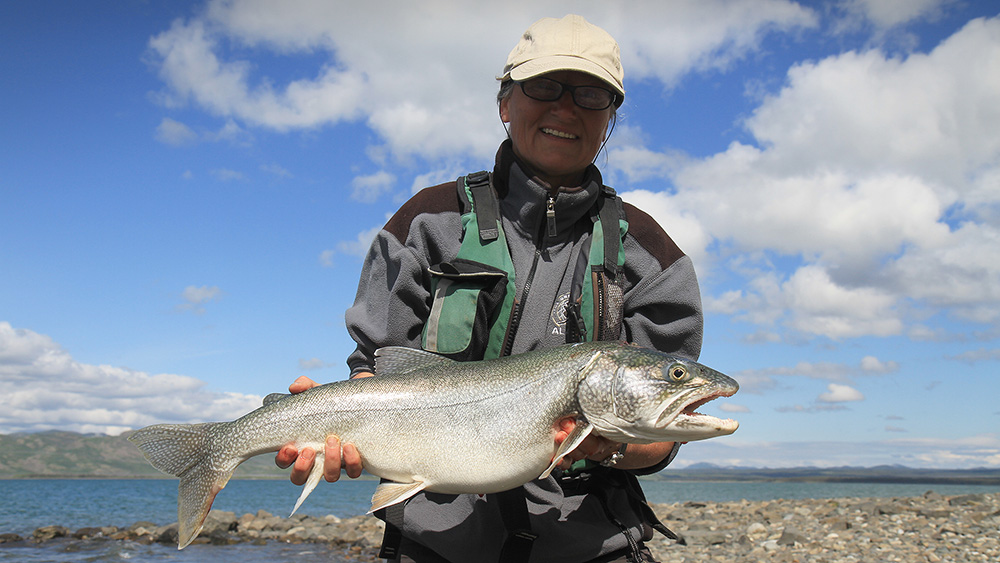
x,y
474,311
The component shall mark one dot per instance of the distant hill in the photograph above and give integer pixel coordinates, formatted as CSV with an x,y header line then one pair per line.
x,y
70,455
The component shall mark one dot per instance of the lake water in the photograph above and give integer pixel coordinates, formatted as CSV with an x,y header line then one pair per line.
x,y
29,504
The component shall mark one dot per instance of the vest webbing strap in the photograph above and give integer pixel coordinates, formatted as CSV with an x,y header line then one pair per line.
x,y
485,204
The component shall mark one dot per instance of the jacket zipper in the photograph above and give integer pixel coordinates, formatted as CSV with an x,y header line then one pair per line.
x,y
515,316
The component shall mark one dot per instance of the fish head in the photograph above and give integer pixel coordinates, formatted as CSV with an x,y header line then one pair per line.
x,y
637,395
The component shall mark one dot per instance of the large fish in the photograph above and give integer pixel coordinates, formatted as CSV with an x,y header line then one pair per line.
x,y
427,423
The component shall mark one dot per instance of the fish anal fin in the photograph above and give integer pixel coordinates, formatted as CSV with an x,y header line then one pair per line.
x,y
390,493
576,436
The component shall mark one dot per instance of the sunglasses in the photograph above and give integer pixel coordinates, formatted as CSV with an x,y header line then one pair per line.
x,y
587,97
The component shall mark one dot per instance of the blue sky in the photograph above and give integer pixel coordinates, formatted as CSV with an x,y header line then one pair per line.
x,y
187,190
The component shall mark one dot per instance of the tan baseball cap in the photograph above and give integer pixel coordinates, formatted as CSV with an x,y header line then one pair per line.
x,y
570,43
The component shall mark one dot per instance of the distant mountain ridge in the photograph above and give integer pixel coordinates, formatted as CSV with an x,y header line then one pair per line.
x,y
60,454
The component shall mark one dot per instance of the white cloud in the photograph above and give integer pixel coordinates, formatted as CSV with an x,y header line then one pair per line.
x,y
196,297
871,364
757,381
836,393
175,133
877,174
885,14
368,189
960,452
43,388
426,93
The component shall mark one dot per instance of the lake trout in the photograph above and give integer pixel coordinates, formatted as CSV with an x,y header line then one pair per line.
x,y
428,423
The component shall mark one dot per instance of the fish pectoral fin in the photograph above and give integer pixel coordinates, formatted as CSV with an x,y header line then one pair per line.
x,y
580,431
390,493
314,476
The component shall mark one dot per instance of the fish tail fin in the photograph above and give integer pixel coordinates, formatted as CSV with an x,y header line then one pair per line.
x,y
183,450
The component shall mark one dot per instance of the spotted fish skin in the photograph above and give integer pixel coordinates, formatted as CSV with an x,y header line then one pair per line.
x,y
427,423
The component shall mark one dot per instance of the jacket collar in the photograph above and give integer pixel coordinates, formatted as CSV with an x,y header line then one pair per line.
x,y
524,198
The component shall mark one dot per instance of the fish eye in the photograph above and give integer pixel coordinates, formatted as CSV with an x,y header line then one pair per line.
x,y
677,372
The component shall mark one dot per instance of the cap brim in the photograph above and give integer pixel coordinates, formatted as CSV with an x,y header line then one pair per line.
x,y
544,65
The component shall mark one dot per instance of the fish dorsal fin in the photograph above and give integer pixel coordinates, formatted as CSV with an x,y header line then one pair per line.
x,y
396,360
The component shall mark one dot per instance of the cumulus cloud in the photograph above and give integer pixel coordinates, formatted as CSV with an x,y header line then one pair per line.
x,y
419,93
869,175
43,388
872,175
836,393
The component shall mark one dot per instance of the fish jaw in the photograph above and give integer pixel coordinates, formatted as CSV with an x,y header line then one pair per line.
x,y
688,425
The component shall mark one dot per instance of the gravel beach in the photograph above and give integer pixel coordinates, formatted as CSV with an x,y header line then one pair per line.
x,y
928,529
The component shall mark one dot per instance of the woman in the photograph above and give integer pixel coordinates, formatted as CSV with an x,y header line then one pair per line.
x,y
559,92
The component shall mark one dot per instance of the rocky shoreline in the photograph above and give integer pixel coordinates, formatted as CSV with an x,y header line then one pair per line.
x,y
928,529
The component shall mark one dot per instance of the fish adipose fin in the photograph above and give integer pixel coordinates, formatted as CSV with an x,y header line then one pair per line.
x,y
182,450
390,493
580,431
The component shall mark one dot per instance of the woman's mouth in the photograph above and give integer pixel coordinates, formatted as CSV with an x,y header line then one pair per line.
x,y
560,134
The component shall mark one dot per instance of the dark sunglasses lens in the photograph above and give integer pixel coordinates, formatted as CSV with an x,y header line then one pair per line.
x,y
588,97
592,97
542,89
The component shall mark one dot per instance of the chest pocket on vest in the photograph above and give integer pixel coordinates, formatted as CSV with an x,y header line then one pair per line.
x,y
467,297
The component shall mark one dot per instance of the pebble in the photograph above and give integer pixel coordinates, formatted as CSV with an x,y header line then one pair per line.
x,y
929,529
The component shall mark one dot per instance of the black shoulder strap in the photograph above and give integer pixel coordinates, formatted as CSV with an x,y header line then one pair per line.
x,y
392,537
610,212
484,203
514,512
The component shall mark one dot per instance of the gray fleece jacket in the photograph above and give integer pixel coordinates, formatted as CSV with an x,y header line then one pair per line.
x,y
661,310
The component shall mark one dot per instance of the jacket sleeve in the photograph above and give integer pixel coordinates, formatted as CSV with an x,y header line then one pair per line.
x,y
662,303
391,303
393,299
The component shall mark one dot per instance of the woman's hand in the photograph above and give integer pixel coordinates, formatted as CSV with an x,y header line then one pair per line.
x,y
337,456
598,448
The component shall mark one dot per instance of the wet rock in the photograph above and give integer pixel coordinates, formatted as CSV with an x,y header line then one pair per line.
x,y
50,532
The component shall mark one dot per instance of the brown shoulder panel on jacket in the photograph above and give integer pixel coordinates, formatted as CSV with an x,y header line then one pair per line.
x,y
436,199
651,236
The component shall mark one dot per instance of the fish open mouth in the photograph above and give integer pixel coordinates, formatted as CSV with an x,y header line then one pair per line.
x,y
689,418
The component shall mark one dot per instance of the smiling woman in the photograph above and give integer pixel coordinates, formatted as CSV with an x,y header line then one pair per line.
x,y
537,254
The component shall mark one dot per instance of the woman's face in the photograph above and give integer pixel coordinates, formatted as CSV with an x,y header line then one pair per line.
x,y
558,139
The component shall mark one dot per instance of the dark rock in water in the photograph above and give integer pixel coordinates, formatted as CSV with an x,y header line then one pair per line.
x,y
10,538
50,532
89,533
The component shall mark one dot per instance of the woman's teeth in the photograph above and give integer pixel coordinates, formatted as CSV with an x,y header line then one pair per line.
x,y
559,134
